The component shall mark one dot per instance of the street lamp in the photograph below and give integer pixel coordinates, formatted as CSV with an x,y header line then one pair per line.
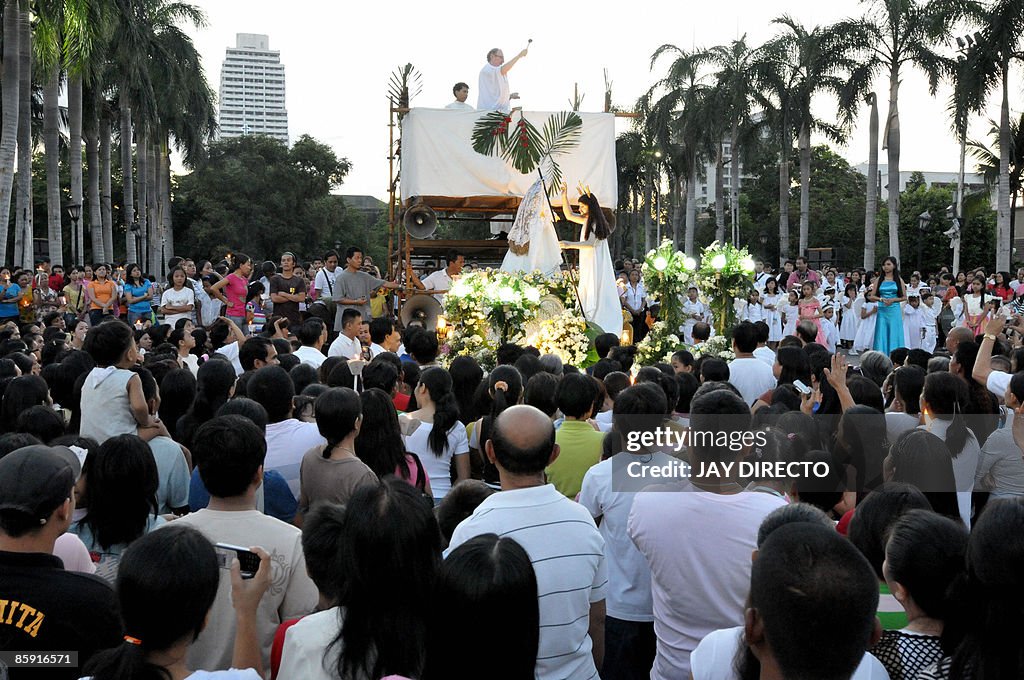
x,y
763,238
923,220
75,213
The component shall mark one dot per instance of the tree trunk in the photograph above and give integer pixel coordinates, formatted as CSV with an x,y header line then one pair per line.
x,y
871,205
165,195
23,237
805,187
734,177
648,205
893,145
51,147
719,198
141,167
156,257
676,184
106,206
128,202
75,158
691,206
92,157
11,102
787,145
1003,244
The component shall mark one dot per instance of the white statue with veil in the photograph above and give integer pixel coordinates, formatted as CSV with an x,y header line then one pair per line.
x,y
532,241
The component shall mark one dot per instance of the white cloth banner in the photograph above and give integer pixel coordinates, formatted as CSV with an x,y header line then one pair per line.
x,y
438,157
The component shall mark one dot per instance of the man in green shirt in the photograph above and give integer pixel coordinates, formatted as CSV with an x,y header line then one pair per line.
x,y
579,442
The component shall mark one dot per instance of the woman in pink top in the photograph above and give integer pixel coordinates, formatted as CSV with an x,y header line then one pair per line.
x,y
236,287
379,444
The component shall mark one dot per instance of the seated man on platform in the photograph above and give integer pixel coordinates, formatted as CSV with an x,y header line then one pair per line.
x,y
492,88
461,92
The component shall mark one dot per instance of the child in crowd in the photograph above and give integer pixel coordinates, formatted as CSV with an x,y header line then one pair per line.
x,y
929,317
790,314
828,328
913,321
754,310
112,399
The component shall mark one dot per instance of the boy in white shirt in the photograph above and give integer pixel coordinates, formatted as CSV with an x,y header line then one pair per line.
x,y
928,321
913,321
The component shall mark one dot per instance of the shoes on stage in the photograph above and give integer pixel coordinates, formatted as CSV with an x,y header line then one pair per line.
x,y
503,236
853,353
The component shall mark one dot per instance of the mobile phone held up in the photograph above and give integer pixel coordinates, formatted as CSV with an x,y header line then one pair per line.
x,y
249,562
801,387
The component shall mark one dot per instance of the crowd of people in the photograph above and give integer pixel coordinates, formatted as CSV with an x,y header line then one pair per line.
x,y
253,472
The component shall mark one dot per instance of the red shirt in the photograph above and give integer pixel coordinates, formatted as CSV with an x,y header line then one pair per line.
x,y
278,646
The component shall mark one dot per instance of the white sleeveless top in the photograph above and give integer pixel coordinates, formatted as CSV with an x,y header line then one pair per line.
x,y
106,411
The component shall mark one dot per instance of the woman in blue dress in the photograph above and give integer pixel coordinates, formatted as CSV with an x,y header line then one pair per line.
x,y
888,292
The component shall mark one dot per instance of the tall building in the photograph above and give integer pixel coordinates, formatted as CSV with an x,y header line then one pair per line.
x,y
252,90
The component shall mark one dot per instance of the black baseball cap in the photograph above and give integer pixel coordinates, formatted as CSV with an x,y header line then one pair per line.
x,y
35,480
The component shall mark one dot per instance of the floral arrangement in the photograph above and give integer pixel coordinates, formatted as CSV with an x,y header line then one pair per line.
x,y
725,273
718,346
489,307
666,276
566,336
659,345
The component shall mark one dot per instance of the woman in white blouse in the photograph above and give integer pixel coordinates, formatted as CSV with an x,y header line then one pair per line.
x,y
433,432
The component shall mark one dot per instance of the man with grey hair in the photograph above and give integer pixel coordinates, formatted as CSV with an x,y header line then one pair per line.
x,y
492,87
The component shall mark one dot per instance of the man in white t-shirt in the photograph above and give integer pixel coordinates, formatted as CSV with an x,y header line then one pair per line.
x,y
461,92
697,536
492,88
442,279
230,451
288,439
609,489
560,537
748,374
326,276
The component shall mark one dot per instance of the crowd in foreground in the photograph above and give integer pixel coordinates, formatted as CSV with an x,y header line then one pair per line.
x,y
418,521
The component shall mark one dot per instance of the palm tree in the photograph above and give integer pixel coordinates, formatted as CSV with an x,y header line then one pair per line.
x,y
826,60
871,206
735,81
23,236
997,48
777,76
678,124
990,162
904,32
9,130
629,148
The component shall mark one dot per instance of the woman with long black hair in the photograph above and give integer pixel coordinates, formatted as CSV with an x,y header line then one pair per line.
x,y
215,383
390,554
504,389
944,405
888,291
379,443
597,290
433,431
167,585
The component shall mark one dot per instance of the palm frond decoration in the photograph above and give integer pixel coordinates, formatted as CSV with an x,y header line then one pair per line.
x,y
405,83
520,143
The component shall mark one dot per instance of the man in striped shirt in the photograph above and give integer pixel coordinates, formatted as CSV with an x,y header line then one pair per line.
x,y
560,537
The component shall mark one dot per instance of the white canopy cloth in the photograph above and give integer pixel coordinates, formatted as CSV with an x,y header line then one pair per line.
x,y
438,157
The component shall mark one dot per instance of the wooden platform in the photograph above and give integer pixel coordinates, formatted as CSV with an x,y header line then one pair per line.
x,y
471,248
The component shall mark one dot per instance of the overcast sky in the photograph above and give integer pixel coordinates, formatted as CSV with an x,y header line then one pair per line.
x,y
339,56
